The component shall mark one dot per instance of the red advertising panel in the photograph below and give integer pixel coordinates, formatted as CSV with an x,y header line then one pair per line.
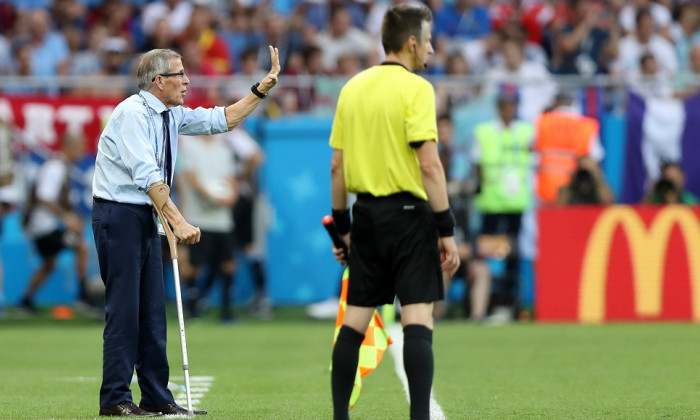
x,y
618,263
43,120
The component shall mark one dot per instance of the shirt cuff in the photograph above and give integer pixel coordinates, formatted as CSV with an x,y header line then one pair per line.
x,y
220,124
151,179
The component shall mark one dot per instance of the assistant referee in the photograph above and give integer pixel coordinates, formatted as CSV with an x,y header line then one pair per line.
x,y
384,138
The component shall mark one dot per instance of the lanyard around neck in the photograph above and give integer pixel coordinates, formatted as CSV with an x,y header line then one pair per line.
x,y
160,160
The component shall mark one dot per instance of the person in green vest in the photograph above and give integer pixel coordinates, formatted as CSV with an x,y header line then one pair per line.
x,y
502,157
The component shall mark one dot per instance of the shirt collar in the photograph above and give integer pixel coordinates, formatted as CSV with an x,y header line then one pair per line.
x,y
152,101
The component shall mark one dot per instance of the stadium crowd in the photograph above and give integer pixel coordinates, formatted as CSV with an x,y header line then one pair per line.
x,y
497,40
527,53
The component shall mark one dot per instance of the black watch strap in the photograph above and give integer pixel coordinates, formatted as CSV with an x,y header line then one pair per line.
x,y
256,92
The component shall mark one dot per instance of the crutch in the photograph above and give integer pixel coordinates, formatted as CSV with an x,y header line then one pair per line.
x,y
172,244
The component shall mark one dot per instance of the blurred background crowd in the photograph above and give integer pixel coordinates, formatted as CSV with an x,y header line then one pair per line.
x,y
525,91
492,40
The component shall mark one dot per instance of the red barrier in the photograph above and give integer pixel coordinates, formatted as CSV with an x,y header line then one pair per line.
x,y
43,120
618,263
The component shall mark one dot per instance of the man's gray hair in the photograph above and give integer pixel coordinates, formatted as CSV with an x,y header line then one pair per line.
x,y
153,63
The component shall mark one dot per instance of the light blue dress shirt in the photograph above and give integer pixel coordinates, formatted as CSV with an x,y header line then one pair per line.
x,y
130,150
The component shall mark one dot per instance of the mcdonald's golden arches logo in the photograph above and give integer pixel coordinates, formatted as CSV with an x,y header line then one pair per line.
x,y
648,248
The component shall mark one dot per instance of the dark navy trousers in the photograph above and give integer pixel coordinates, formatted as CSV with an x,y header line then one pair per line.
x,y
129,252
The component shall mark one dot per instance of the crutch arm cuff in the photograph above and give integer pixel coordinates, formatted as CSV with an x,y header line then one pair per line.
x,y
159,193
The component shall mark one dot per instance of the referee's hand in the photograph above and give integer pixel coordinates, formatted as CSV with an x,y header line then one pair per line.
x,y
340,253
449,255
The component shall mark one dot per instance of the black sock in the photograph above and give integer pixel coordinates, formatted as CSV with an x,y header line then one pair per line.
x,y
82,293
419,365
258,276
345,358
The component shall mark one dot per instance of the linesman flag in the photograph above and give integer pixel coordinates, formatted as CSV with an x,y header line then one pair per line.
x,y
373,347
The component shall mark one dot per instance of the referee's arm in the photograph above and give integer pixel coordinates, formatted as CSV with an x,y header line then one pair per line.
x,y
436,187
339,200
339,194
433,176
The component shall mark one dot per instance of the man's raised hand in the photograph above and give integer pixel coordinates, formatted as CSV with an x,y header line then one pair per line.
x,y
271,79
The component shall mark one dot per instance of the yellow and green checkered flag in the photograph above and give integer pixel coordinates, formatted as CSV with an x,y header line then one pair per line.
x,y
373,347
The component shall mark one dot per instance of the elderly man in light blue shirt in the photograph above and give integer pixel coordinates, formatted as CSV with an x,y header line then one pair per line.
x,y
135,154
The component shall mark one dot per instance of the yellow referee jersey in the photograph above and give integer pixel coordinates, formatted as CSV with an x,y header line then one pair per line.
x,y
381,111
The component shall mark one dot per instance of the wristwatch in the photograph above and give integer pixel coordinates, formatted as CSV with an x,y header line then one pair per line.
x,y
257,93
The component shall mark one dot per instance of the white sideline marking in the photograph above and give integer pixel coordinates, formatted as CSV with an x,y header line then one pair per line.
x,y
79,379
199,386
396,351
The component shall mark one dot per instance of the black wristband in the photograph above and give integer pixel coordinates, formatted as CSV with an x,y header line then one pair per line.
x,y
256,92
342,220
444,222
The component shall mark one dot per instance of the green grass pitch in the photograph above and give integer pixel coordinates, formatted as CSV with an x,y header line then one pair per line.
x,y
279,370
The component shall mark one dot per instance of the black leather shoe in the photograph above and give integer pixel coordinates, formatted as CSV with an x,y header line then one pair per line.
x,y
171,408
128,409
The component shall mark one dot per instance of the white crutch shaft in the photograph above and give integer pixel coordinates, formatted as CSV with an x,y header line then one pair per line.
x,y
183,341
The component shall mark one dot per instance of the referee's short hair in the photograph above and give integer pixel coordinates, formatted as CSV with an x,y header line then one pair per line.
x,y
402,21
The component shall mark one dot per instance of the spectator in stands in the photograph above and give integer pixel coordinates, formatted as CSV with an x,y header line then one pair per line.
x,y
51,223
176,13
563,136
530,80
651,82
532,51
483,54
503,160
685,33
688,81
348,65
533,16
342,38
49,50
193,61
672,182
21,65
67,13
462,20
455,91
312,68
250,72
277,31
215,50
160,37
120,20
85,59
208,194
583,47
645,39
587,186
660,15
115,56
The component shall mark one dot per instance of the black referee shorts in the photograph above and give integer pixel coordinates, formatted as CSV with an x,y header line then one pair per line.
x,y
393,252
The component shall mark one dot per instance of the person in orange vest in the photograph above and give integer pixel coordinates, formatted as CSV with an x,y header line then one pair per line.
x,y
563,136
